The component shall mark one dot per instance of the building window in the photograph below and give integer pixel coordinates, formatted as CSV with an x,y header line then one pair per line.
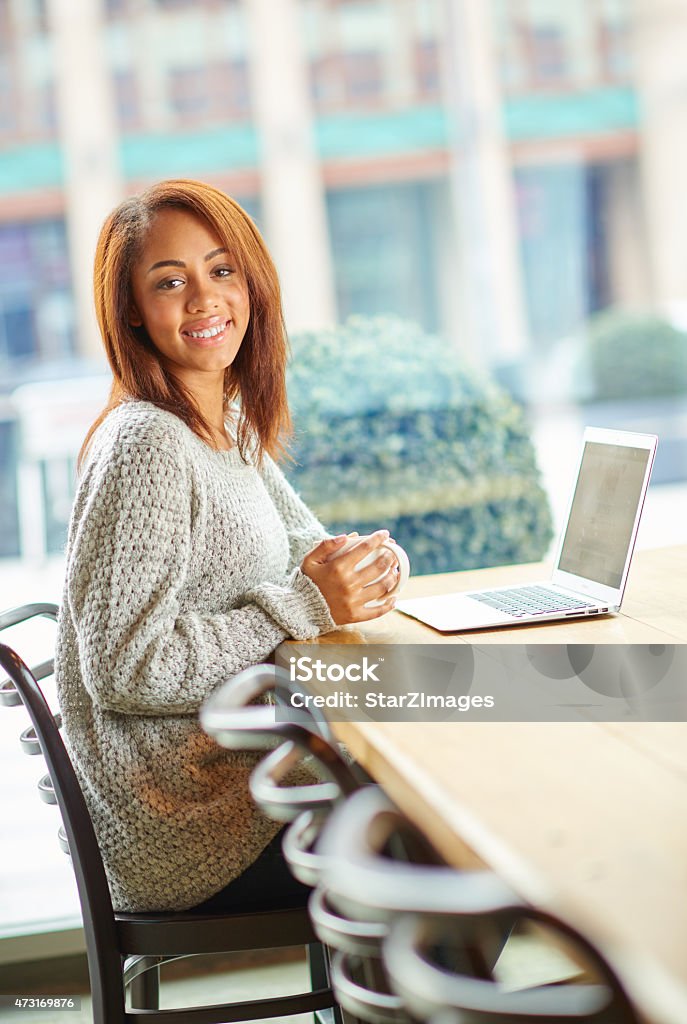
x,y
36,308
41,15
547,56
383,251
363,78
615,50
116,8
538,42
188,92
18,339
8,101
428,68
5,27
326,86
563,246
346,78
229,88
126,94
46,110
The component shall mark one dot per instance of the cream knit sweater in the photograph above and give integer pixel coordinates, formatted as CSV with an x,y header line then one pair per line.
x,y
182,570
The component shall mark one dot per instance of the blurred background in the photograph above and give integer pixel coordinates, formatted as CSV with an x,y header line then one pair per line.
x,y
507,176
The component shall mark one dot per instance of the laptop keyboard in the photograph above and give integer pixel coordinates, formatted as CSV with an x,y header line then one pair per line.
x,y
520,601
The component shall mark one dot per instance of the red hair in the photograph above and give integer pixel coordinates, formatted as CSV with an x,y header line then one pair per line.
x,y
257,375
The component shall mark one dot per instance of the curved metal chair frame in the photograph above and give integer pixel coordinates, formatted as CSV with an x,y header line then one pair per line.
x,y
233,718
379,866
127,949
362,989
308,808
431,991
377,863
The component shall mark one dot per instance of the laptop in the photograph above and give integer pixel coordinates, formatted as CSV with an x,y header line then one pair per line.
x,y
594,551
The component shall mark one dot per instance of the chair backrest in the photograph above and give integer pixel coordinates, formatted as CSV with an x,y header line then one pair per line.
x,y
286,802
307,807
94,894
235,721
421,952
380,865
251,687
375,865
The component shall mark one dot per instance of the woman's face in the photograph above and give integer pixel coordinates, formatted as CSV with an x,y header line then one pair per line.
x,y
190,298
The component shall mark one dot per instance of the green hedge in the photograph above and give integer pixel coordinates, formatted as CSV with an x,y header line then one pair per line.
x,y
392,430
634,355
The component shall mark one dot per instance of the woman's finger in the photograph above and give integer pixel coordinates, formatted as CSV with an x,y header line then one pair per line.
x,y
388,606
382,565
376,591
376,612
325,549
363,548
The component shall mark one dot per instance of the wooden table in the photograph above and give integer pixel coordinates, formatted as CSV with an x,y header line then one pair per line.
x,y
588,820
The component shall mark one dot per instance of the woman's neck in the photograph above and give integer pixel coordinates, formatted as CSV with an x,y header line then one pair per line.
x,y
221,438
209,398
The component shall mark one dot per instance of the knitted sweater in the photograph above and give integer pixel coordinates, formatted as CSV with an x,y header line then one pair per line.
x,y
182,569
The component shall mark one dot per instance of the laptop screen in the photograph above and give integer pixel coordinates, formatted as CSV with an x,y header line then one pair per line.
x,y
603,512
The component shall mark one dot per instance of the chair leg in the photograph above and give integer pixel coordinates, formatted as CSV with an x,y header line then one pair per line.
x,y
145,990
318,963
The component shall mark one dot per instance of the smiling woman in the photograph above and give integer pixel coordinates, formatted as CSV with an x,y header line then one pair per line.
x,y
189,555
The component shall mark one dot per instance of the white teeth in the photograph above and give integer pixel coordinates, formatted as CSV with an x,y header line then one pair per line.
x,y
211,332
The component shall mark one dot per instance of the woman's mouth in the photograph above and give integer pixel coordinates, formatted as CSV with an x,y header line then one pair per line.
x,y
206,337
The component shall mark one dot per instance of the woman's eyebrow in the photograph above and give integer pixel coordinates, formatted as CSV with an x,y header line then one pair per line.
x,y
180,263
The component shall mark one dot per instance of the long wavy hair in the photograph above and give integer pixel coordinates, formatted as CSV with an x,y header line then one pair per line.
x,y
256,378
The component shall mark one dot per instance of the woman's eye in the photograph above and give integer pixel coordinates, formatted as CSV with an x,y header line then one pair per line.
x,y
223,271
170,283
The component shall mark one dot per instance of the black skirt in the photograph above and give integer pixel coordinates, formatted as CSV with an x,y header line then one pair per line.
x,y
267,884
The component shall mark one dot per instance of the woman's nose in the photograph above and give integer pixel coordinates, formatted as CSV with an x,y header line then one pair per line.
x,y
201,297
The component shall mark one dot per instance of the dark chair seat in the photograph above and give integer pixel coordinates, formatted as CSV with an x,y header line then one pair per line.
x,y
175,934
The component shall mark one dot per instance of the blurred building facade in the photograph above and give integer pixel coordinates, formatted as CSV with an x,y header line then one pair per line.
x,y
483,167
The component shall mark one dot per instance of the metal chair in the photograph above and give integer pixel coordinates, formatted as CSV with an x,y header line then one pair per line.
x,y
425,960
377,864
234,720
126,950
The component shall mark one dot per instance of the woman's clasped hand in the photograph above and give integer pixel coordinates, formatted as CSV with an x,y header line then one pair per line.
x,y
346,589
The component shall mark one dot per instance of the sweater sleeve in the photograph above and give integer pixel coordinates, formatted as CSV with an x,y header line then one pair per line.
x,y
303,528
130,550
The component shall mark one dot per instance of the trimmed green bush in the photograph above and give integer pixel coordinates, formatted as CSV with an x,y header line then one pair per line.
x,y
392,430
635,356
